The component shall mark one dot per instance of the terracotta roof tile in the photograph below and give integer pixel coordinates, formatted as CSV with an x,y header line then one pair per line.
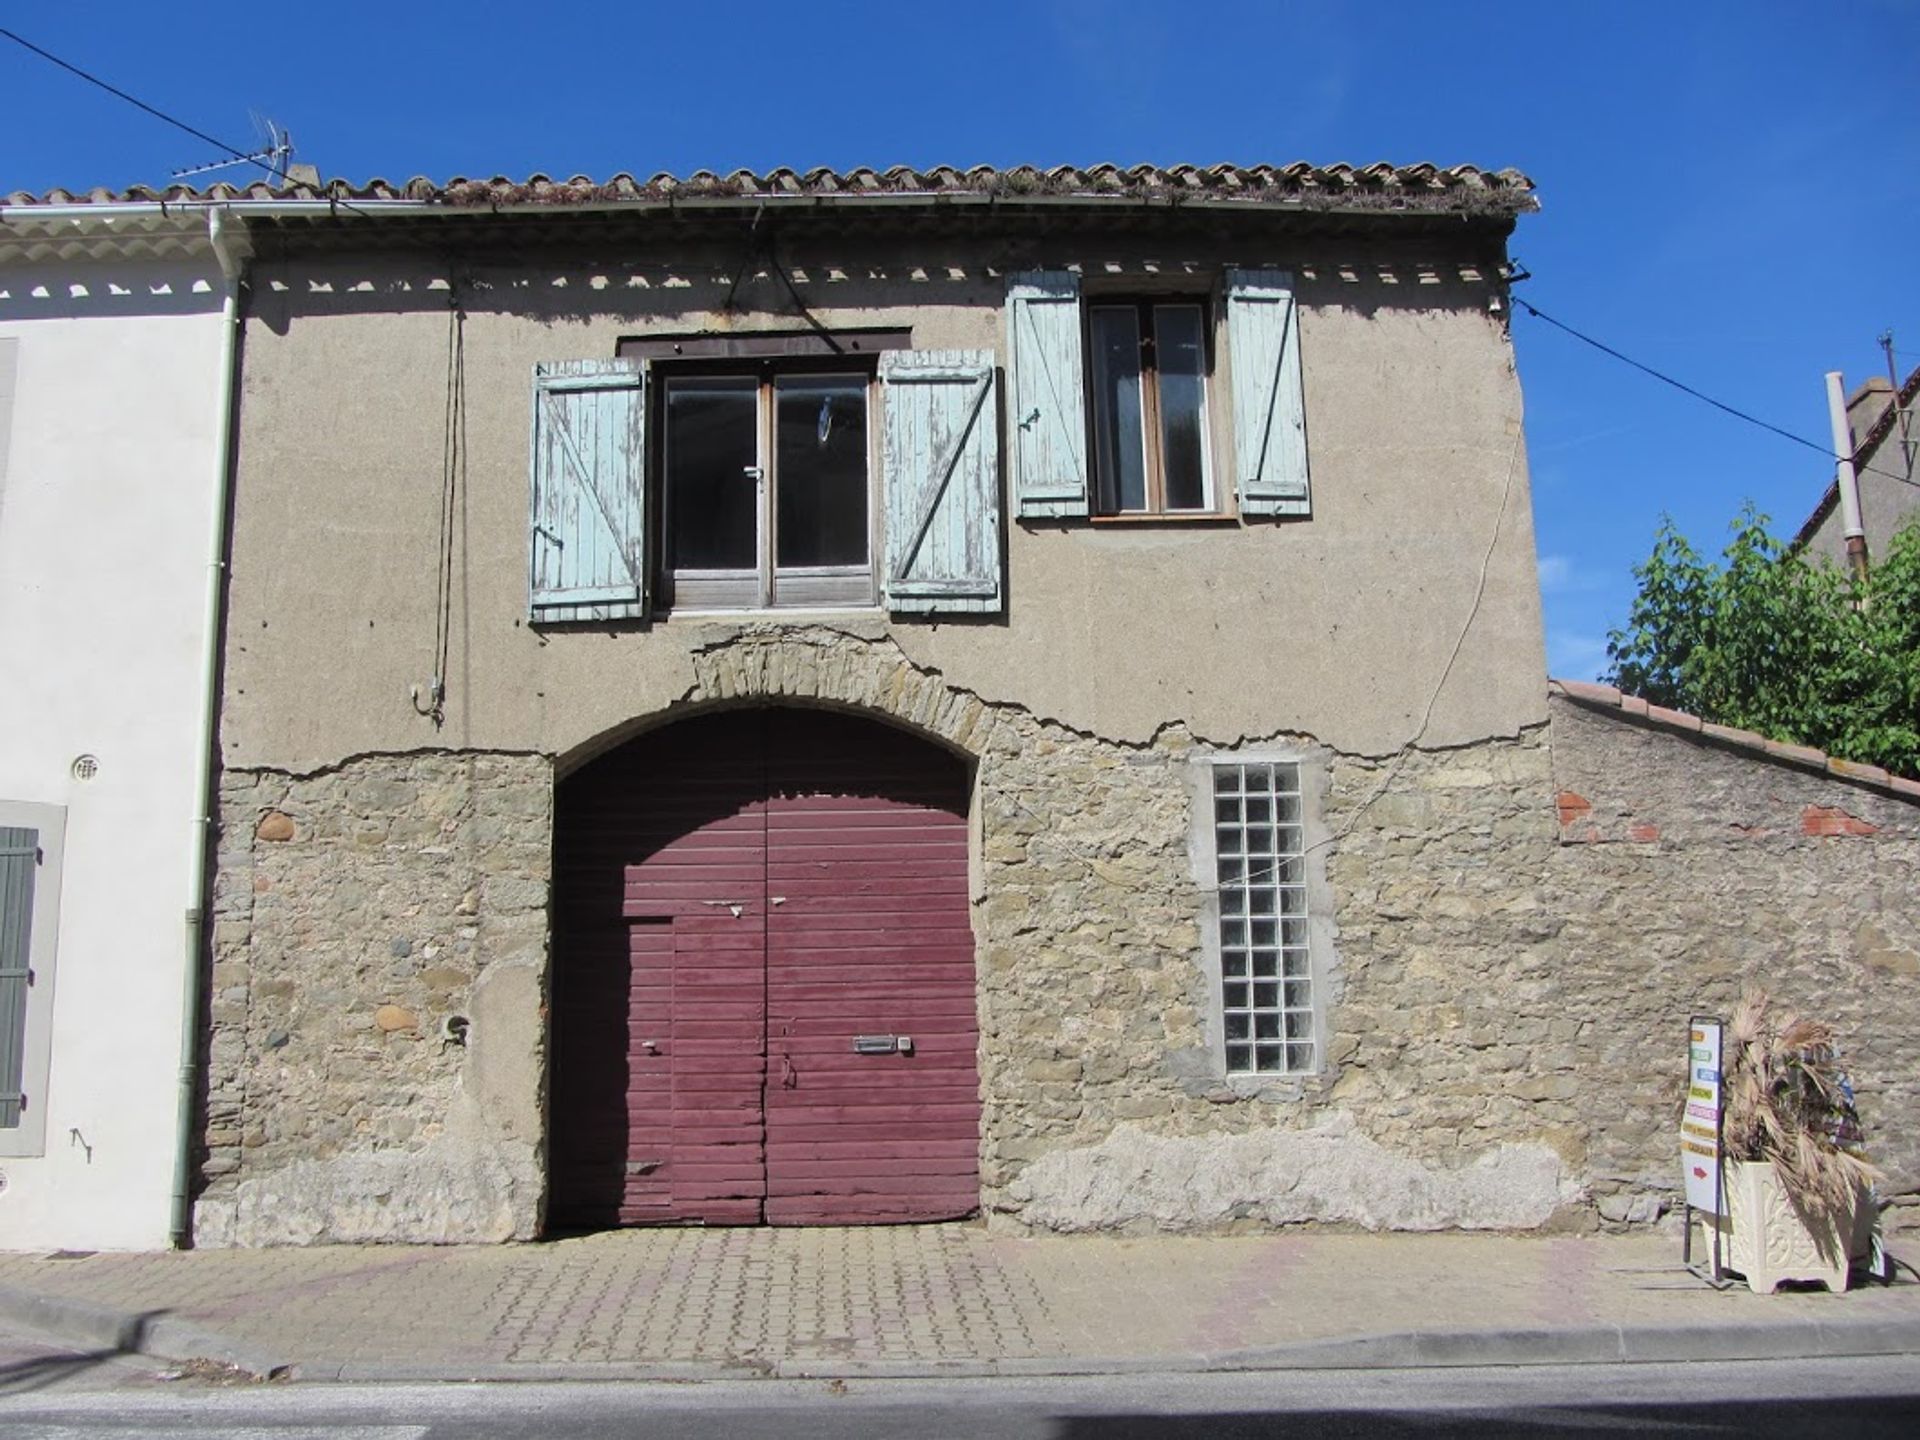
x,y
1607,699
1464,189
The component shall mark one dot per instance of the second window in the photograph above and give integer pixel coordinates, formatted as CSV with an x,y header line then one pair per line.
x,y
1148,377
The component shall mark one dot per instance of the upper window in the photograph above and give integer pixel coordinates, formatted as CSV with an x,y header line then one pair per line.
x,y
1149,407
744,483
1111,399
767,480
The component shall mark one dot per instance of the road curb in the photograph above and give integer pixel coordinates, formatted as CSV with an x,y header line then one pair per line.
x,y
1590,1345
167,1337
154,1333
1408,1350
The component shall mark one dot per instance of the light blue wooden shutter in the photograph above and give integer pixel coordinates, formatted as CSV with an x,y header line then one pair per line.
x,y
1269,407
1047,376
942,480
587,535
19,857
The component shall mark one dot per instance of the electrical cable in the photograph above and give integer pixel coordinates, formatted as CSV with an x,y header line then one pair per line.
x,y
773,259
240,156
1687,389
140,104
1459,643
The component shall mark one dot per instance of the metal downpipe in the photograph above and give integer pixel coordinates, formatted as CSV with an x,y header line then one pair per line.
x,y
180,1230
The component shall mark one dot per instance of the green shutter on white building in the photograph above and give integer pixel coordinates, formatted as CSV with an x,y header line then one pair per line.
x,y
19,863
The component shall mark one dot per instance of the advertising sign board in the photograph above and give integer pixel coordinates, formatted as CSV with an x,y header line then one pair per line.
x,y
1700,1124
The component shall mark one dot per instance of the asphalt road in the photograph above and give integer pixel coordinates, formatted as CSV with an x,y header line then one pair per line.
x,y
1872,1397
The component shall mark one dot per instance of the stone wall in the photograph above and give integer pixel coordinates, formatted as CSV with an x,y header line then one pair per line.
x,y
1518,931
376,1061
1688,868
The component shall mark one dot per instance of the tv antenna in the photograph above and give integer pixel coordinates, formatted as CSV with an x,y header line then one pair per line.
x,y
275,154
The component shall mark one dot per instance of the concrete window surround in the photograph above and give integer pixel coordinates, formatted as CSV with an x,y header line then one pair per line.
x,y
1310,764
50,824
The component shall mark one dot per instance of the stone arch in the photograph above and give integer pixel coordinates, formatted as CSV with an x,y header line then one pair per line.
x,y
819,666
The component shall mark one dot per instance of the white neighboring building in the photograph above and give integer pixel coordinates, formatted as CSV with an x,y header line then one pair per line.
x,y
114,382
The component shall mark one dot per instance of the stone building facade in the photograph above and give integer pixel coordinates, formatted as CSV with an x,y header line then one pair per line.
x,y
1483,981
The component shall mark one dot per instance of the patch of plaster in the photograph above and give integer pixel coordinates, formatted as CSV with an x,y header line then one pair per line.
x,y
446,1193
1134,1180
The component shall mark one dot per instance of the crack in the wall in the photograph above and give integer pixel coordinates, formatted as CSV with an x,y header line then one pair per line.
x,y
359,757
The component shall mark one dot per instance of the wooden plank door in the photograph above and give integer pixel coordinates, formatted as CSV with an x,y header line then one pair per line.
x,y
658,1046
718,1054
868,939
738,899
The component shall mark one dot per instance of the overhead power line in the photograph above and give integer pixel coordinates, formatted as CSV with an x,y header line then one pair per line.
x,y
1687,389
139,104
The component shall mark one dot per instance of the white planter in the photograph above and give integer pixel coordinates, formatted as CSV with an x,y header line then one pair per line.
x,y
1771,1240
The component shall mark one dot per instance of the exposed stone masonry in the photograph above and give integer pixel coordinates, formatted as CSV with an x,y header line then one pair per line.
x,y
379,967
1521,928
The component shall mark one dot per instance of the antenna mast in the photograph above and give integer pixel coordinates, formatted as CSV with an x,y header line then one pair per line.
x,y
275,154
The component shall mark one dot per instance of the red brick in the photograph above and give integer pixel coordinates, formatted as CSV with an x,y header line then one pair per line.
x,y
1832,820
1641,833
1573,808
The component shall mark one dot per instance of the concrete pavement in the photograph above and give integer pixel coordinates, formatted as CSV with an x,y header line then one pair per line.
x,y
932,1300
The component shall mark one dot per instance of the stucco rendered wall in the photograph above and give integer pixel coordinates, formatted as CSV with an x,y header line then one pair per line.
x,y
1338,626
106,531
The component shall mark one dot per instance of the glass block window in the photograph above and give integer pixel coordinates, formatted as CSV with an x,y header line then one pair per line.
x,y
1265,982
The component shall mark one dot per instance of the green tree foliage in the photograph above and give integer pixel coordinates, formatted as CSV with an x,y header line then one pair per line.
x,y
1770,642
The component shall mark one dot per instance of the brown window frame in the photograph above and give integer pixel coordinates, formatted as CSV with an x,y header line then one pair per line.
x,y
1156,508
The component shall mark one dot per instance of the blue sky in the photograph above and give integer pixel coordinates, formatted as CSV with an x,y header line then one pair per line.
x,y
1729,190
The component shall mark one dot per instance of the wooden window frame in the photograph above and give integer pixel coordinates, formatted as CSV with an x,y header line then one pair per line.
x,y
824,588
1155,511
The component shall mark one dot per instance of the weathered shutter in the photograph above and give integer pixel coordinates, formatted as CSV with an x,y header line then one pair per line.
x,y
1047,375
19,855
1269,407
942,472
587,534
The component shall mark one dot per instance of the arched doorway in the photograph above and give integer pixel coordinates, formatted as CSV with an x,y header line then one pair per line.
x,y
763,980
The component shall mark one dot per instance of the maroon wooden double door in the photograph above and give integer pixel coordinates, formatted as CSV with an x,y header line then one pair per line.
x,y
763,994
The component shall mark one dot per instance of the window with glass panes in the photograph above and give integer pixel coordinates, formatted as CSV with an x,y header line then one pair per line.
x,y
767,472
1266,983
1147,374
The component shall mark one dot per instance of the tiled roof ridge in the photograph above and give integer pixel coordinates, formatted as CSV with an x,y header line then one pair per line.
x,y
1607,698
1417,186
1903,399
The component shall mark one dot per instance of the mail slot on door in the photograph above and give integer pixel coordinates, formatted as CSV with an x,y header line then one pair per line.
x,y
883,1044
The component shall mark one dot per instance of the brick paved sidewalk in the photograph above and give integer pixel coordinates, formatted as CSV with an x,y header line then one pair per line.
x,y
911,1298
